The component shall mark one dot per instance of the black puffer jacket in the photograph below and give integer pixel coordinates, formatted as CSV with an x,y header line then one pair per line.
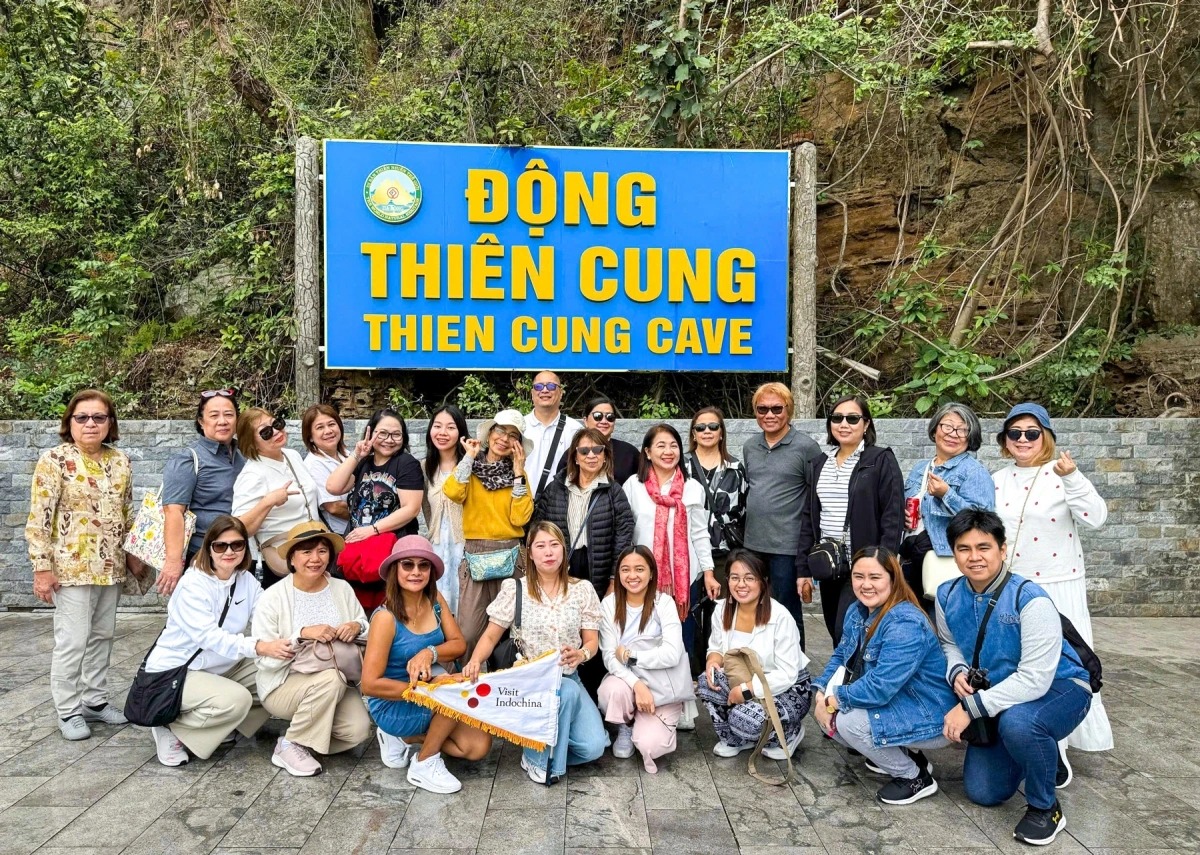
x,y
609,526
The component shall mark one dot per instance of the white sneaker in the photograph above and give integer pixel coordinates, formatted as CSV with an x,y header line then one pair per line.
x,y
686,723
295,759
722,749
432,775
623,747
535,773
74,728
774,752
393,751
170,750
107,714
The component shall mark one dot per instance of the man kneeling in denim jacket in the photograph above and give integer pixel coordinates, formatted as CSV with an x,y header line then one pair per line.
x,y
1025,675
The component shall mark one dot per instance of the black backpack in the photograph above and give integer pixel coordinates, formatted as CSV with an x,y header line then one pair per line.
x,y
1087,657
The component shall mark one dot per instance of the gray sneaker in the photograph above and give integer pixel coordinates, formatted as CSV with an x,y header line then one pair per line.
x,y
74,728
107,714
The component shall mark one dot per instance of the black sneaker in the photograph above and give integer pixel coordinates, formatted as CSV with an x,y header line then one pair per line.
x,y
916,756
1040,827
1064,774
905,791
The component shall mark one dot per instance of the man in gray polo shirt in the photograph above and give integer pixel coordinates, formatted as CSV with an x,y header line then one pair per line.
x,y
777,469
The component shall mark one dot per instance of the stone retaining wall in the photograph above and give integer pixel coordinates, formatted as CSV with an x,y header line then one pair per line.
x,y
1141,564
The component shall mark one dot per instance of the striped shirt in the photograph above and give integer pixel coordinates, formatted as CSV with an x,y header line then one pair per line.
x,y
833,489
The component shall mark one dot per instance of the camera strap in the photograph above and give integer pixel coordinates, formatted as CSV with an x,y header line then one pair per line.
x,y
986,617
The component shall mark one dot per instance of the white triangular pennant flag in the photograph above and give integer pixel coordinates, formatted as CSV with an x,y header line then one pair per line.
x,y
519,704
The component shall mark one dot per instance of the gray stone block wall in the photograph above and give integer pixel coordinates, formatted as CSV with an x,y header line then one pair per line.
x,y
1143,563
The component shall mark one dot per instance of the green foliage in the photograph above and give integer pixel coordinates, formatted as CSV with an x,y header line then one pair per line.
x,y
477,398
945,373
649,408
675,81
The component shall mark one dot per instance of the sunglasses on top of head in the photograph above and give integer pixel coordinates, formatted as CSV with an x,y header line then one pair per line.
x,y
848,418
267,431
1030,434
231,393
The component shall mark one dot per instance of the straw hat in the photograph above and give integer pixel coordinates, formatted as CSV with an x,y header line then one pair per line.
x,y
508,419
311,530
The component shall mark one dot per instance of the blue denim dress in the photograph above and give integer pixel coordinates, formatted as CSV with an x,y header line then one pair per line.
x,y
404,718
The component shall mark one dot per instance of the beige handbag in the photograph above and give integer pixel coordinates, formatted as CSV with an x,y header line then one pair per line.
x,y
936,569
345,656
740,665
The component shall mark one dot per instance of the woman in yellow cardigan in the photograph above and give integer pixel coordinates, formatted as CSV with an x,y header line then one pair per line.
x,y
496,506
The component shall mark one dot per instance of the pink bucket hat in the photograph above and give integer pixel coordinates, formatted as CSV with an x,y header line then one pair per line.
x,y
412,546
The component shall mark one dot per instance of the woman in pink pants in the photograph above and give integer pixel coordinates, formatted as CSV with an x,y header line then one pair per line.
x,y
642,643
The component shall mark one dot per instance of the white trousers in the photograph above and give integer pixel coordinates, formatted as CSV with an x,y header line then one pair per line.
x,y
85,620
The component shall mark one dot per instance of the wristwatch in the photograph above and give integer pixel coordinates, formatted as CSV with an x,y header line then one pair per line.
x,y
631,660
519,479
746,693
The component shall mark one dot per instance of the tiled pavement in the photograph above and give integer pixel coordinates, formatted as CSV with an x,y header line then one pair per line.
x,y
108,794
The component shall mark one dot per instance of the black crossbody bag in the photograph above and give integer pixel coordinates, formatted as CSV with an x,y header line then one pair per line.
x,y
982,731
155,697
504,654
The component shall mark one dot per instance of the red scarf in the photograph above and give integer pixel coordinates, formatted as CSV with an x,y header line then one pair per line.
x,y
671,553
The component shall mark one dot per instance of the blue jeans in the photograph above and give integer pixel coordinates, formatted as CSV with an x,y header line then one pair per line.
x,y
1028,748
581,734
782,569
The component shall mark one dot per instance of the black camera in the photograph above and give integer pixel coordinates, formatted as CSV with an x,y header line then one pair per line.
x,y
977,679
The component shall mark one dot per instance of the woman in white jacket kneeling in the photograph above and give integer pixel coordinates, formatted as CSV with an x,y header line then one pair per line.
x,y
750,618
207,618
327,715
648,677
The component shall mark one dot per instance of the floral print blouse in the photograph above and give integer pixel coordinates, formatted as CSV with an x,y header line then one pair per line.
x,y
551,624
79,514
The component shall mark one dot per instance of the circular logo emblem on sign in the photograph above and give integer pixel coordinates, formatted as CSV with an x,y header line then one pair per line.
x,y
392,193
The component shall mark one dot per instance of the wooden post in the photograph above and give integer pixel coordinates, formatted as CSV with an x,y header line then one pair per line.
x,y
804,280
308,274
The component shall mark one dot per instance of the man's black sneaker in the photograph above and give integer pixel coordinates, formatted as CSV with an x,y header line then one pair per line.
x,y
1064,774
1040,827
905,791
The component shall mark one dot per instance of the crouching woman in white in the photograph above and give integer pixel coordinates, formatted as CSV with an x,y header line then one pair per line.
x,y
207,618
327,715
641,638
751,618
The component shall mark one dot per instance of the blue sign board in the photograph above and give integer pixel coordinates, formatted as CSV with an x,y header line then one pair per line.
x,y
489,257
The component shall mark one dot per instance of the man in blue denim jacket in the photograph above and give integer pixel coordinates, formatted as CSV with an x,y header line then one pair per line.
x,y
1026,674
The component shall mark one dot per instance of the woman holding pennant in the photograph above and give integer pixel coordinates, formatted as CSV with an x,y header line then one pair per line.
x,y
410,634
560,613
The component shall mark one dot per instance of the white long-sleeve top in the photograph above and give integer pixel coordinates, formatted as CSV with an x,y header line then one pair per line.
x,y
261,476
777,643
1042,513
273,620
664,625
699,543
192,614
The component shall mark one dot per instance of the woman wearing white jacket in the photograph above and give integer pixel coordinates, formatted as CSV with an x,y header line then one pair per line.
x,y
639,633
750,618
207,617
326,715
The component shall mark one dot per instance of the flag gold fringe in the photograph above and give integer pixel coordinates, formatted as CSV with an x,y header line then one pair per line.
x,y
438,707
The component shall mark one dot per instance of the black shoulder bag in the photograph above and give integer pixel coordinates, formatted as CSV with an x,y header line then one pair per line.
x,y
155,697
558,430
982,731
504,654
1086,655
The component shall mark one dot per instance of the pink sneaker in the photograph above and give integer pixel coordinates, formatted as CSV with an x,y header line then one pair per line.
x,y
295,759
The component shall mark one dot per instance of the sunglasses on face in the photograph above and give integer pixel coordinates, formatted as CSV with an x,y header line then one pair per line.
x,y
702,427
774,409
546,387
604,417
590,450
1030,434
267,431
84,418
220,547
218,393
848,418
952,430
409,564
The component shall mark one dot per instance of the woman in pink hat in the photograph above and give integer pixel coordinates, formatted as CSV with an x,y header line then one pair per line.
x,y
410,634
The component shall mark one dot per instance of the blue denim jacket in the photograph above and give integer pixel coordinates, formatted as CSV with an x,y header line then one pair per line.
x,y
970,484
902,684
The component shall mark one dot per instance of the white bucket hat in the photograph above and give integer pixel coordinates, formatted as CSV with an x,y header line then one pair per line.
x,y
506,418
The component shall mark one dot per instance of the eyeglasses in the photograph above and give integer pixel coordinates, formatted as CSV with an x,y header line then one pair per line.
x,y
741,580
591,450
702,427
267,431
604,417
220,547
774,409
84,418
219,393
848,418
513,435
390,435
952,430
546,387
410,564
1030,434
